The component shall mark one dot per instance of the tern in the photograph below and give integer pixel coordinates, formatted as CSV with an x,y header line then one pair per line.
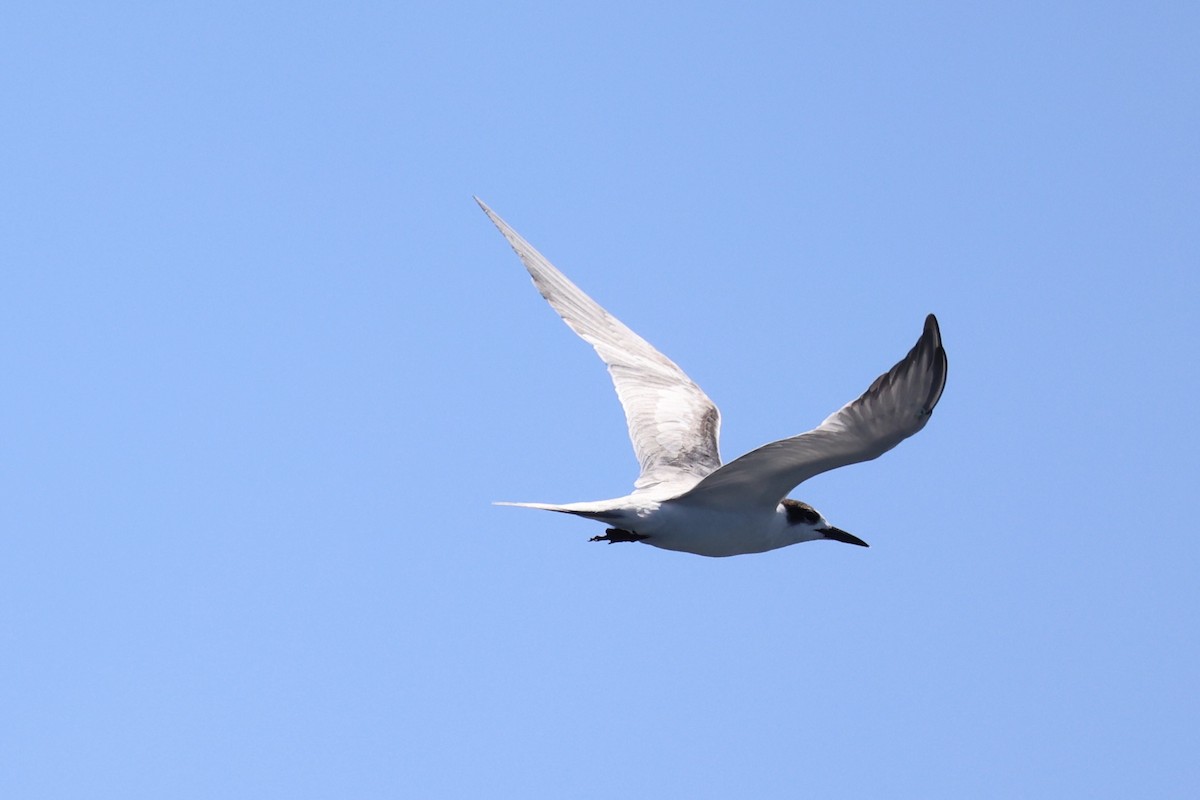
x,y
685,499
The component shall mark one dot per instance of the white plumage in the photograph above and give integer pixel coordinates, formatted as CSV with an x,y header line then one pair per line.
x,y
684,498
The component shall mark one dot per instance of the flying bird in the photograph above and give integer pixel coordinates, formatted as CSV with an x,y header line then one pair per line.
x,y
685,499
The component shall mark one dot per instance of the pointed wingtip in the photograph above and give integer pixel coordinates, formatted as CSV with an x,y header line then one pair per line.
x,y
492,215
940,365
933,331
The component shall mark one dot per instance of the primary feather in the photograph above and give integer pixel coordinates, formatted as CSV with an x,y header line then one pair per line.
x,y
672,424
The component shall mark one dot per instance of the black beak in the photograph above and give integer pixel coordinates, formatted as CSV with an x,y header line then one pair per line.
x,y
839,535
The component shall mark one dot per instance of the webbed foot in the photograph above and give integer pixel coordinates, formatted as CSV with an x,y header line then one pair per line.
x,y
613,535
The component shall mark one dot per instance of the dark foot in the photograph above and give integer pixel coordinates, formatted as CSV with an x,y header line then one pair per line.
x,y
617,535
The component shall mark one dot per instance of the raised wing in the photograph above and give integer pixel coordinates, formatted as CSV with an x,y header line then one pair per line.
x,y
897,405
672,423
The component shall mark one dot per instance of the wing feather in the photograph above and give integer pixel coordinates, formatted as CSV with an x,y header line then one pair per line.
x,y
897,405
673,425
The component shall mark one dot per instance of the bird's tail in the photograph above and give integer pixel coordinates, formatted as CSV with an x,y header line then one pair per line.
x,y
603,510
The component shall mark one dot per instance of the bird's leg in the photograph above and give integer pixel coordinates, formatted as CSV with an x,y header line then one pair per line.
x,y
617,535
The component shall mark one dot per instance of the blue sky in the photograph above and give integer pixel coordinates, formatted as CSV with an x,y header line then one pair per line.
x,y
267,366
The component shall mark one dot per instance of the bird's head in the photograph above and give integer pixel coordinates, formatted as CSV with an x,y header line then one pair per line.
x,y
810,525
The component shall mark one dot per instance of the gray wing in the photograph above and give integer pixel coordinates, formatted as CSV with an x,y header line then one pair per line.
x,y
897,405
672,423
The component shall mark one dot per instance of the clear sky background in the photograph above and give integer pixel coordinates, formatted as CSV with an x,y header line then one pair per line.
x,y
266,365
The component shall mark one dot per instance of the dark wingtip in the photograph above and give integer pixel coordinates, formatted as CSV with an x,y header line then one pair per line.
x,y
932,329
940,364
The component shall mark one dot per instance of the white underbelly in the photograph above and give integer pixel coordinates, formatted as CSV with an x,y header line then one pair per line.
x,y
712,533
